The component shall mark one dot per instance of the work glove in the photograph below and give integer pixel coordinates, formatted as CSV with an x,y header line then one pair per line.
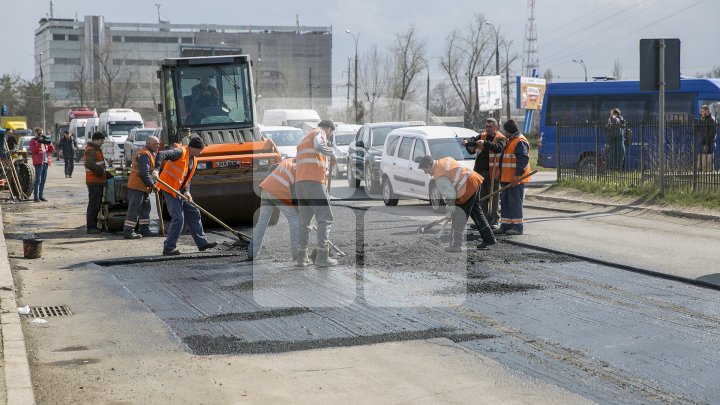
x,y
449,211
155,176
515,181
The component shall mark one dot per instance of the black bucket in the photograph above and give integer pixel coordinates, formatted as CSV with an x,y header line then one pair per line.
x,y
32,248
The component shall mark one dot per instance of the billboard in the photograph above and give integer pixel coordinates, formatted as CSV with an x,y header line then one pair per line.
x,y
531,91
489,93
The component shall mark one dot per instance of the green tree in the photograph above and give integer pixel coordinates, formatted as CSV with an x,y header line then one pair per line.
x,y
10,93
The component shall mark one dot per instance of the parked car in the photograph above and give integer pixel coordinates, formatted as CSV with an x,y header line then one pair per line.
x,y
285,138
365,153
342,136
136,140
24,143
401,176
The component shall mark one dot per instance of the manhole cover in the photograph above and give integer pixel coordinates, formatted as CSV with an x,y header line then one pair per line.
x,y
44,312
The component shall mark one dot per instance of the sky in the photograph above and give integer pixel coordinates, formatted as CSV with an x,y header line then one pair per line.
x,y
598,32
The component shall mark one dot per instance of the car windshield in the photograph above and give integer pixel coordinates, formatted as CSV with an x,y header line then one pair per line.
x,y
122,129
344,138
379,135
143,135
449,147
286,137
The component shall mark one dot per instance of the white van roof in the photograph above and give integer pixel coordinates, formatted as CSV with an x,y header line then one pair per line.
x,y
433,132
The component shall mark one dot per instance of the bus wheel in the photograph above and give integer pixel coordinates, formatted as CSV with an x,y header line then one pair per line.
x,y
587,165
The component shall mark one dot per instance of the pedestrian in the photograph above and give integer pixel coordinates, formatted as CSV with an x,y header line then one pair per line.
x,y
140,185
615,140
514,163
707,132
41,148
177,169
488,146
68,145
276,191
459,187
313,153
96,177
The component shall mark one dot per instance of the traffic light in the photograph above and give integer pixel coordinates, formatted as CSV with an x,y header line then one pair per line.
x,y
3,111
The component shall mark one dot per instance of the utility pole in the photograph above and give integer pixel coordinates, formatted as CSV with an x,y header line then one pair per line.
x,y
347,108
42,90
582,63
355,106
311,95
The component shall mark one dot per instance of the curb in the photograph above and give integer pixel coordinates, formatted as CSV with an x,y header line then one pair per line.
x,y
663,211
18,383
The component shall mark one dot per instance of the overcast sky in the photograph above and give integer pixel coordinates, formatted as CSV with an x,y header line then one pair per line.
x,y
596,31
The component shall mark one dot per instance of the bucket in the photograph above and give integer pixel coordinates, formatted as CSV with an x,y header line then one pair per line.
x,y
32,248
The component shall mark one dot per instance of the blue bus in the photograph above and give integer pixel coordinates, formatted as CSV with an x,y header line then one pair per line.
x,y
588,102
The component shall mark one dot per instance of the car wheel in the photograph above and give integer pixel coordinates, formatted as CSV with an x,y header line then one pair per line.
x,y
336,173
371,185
587,166
352,181
389,197
437,203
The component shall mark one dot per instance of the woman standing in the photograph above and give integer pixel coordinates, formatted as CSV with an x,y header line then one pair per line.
x,y
615,140
41,148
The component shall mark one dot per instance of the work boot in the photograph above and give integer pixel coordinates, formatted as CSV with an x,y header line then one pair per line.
x,y
132,235
207,246
323,258
302,258
170,252
513,232
485,245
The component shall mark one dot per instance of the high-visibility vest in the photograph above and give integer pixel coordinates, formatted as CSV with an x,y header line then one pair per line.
x,y
90,177
509,161
176,174
492,156
134,180
278,183
311,165
465,181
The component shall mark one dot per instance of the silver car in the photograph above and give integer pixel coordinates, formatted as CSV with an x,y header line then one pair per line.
x,y
136,141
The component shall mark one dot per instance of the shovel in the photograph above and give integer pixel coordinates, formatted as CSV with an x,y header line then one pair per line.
x,y
243,237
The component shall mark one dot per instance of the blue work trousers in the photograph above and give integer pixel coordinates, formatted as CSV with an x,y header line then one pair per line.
x,y
511,207
183,213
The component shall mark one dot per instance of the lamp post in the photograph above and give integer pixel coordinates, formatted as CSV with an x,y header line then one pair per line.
x,y
42,89
497,50
355,105
582,63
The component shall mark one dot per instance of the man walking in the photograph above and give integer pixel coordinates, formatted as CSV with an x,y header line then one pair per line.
x,y
95,179
514,163
178,167
41,148
708,134
488,145
68,145
313,153
140,185
459,186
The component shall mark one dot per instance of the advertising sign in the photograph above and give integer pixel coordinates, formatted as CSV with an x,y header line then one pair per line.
x,y
531,91
489,92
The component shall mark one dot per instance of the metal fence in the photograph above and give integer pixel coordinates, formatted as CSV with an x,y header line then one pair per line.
x,y
632,156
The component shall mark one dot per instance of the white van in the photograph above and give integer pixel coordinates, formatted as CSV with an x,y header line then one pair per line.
x,y
116,124
400,175
291,118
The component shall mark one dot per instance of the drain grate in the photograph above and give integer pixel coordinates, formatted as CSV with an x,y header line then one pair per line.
x,y
44,312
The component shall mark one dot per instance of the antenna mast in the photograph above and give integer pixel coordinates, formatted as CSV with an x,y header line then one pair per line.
x,y
531,60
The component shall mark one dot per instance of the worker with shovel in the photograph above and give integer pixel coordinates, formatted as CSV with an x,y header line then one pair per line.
x,y
140,185
178,166
313,153
459,186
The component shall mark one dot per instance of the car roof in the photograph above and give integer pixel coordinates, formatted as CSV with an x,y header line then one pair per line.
x,y
436,132
394,124
347,128
265,128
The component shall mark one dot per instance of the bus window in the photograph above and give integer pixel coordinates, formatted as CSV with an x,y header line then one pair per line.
x,y
569,109
678,108
632,108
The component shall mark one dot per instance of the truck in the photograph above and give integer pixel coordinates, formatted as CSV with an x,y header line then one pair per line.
x,y
115,124
236,157
17,125
302,119
82,121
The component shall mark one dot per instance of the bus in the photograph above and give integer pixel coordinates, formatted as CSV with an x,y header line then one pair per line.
x,y
591,102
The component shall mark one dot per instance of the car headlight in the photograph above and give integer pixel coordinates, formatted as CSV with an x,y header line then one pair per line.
x,y
377,159
201,166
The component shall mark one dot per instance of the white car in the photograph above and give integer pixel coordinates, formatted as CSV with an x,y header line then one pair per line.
x,y
399,170
24,143
341,138
136,141
285,138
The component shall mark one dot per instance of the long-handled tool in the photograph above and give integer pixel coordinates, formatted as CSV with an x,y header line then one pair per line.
x,y
331,245
425,228
243,237
158,207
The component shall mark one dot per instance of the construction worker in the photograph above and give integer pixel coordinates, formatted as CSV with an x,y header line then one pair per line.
x,y
140,185
178,166
488,146
459,186
276,191
313,153
514,163
95,178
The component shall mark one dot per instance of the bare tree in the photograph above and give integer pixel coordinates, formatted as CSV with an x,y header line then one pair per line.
x,y
467,55
409,55
617,69
116,78
548,75
81,85
444,101
714,73
374,77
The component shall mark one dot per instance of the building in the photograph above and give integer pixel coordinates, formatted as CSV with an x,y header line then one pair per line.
x,y
79,61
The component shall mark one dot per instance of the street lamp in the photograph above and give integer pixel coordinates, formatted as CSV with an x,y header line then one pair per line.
x,y
357,117
497,51
582,63
42,89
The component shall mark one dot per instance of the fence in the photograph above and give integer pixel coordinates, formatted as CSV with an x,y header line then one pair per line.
x,y
631,155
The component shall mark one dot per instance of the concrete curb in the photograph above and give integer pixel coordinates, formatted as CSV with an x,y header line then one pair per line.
x,y
662,211
18,383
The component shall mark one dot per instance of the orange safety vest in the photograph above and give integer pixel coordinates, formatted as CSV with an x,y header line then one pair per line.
x,y
311,165
279,181
509,161
492,156
174,173
134,180
465,181
90,177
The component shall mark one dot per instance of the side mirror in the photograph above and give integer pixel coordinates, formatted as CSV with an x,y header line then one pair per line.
x,y
359,144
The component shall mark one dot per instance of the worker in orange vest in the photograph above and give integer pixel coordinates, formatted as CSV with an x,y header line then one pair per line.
x,y
140,185
95,178
514,163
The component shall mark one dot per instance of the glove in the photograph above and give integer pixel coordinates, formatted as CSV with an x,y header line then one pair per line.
x,y
449,211
155,176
